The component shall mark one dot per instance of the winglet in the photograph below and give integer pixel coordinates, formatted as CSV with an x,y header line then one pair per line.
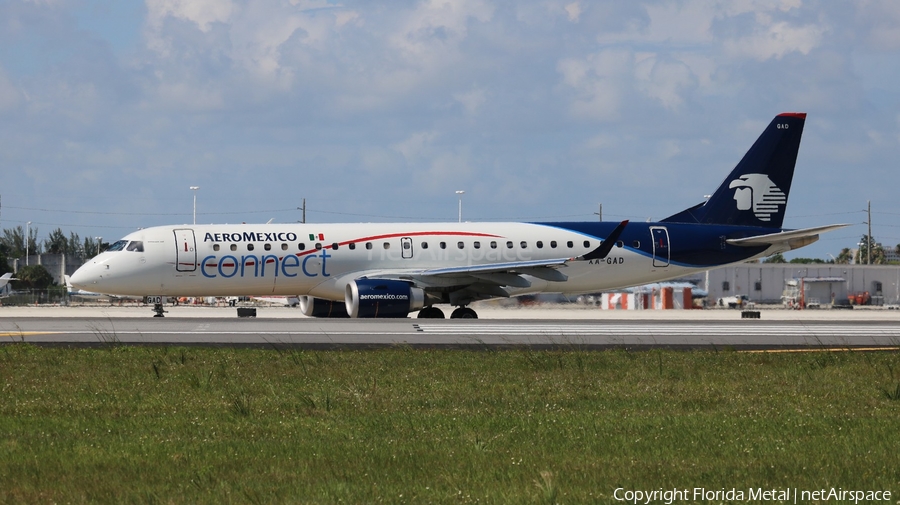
x,y
607,245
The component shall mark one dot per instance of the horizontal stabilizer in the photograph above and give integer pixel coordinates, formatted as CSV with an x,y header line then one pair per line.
x,y
795,238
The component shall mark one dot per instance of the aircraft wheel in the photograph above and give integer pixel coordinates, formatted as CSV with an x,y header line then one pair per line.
x,y
463,313
431,313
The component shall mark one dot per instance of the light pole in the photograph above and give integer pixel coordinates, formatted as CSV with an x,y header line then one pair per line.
x,y
460,193
27,234
99,242
194,189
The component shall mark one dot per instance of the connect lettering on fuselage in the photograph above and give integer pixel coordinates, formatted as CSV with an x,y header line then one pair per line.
x,y
251,265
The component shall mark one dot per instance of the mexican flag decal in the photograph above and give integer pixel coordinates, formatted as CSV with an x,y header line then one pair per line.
x,y
313,236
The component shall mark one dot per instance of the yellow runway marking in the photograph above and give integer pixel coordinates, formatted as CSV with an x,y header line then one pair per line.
x,y
25,333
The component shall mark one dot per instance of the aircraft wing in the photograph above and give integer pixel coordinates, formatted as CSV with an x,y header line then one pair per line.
x,y
786,240
496,274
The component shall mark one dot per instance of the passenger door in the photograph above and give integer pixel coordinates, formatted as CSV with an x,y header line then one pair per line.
x,y
185,250
660,236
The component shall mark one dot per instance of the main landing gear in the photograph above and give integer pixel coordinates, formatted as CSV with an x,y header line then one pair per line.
x,y
436,313
158,308
431,313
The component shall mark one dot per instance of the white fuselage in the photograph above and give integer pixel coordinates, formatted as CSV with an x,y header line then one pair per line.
x,y
319,260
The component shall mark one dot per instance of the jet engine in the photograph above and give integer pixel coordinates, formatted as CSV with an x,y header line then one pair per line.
x,y
382,298
317,307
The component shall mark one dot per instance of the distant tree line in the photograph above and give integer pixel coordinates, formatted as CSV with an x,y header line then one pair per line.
x,y
12,243
846,256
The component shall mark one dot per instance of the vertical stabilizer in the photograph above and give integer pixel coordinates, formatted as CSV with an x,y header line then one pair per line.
x,y
756,191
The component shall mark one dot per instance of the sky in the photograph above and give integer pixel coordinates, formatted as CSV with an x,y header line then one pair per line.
x,y
381,111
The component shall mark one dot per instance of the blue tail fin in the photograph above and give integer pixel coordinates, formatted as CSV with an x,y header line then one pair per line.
x,y
756,191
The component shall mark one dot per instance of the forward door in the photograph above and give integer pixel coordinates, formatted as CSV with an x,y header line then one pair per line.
x,y
185,250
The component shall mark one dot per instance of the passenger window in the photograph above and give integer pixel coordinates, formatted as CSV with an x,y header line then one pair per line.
x,y
407,245
636,244
540,244
387,245
620,244
570,244
318,246
553,244
215,247
335,246
477,245
509,244
301,246
249,247
233,247
587,243
524,245
352,245
424,245
460,245
493,244
443,245
267,247
284,247
368,245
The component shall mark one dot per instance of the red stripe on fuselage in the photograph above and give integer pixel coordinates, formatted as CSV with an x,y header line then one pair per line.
x,y
371,238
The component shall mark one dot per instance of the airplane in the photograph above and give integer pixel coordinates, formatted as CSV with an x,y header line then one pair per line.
x,y
394,269
4,281
81,293
287,301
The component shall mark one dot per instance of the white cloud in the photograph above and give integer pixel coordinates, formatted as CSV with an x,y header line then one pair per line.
x,y
471,100
200,12
599,82
663,80
436,27
775,41
880,19
9,94
574,11
416,146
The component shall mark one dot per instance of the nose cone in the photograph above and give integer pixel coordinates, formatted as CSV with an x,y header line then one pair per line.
x,y
86,277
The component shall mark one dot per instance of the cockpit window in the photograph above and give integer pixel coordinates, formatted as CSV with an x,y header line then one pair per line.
x,y
135,245
117,245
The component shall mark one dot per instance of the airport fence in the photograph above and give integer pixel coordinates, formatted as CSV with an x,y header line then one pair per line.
x,y
55,295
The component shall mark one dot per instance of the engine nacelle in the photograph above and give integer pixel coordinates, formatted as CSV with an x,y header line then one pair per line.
x,y
317,307
382,298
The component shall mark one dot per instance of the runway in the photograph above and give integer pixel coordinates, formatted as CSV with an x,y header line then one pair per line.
x,y
700,331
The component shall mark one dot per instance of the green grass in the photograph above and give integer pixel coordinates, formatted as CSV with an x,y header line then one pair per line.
x,y
206,425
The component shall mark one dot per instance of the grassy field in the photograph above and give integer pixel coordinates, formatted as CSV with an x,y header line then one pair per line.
x,y
208,425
